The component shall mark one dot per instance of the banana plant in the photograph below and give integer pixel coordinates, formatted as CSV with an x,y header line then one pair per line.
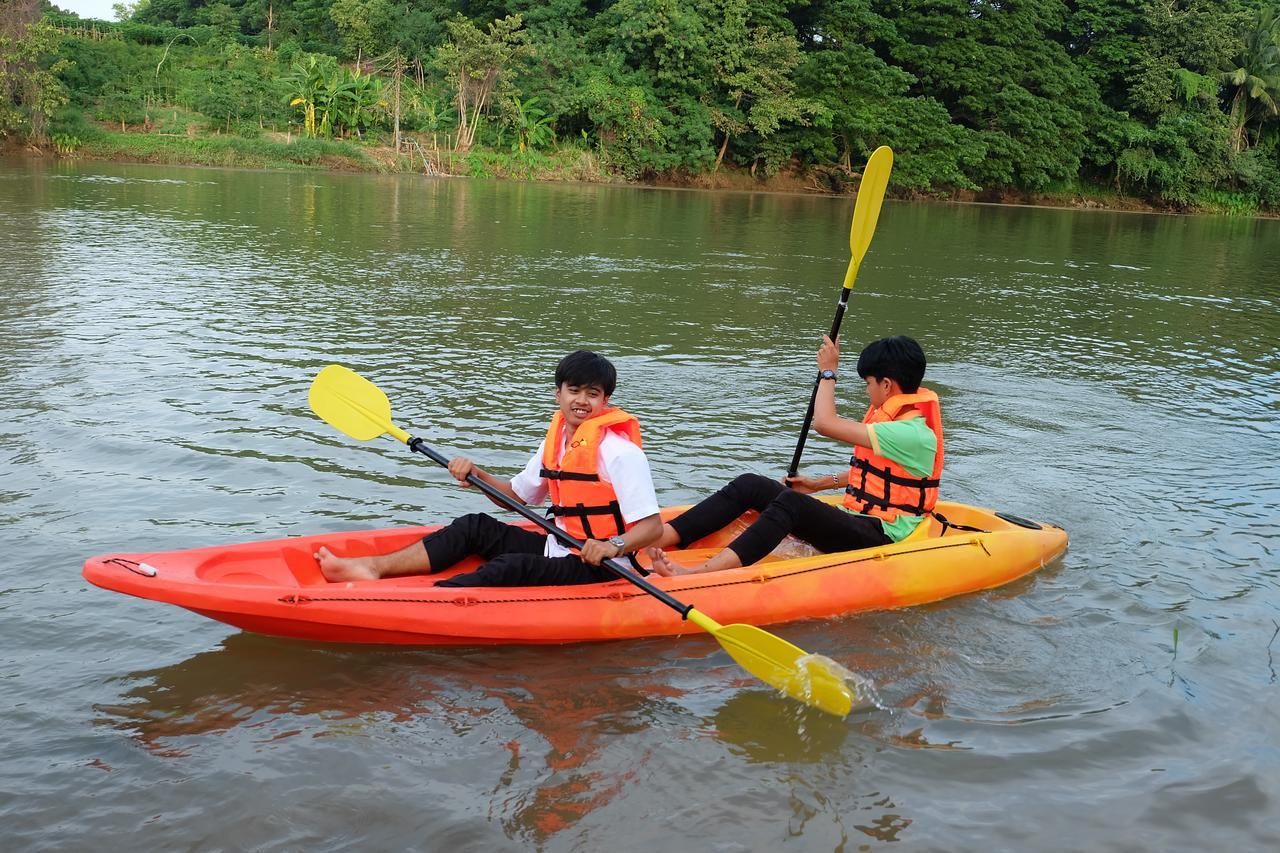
x,y
532,126
307,84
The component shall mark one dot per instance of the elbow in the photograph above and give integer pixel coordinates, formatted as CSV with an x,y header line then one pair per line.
x,y
822,426
649,531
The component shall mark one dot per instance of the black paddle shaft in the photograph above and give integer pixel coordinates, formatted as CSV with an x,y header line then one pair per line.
x,y
419,446
813,398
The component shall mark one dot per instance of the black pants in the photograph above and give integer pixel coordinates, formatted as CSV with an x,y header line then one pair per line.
x,y
513,556
782,511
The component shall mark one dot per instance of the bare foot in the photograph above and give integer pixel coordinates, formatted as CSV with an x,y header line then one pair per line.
x,y
664,565
337,569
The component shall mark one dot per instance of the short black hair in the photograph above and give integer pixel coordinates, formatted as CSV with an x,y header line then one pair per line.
x,y
584,367
898,358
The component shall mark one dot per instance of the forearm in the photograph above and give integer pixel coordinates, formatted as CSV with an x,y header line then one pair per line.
x,y
503,486
827,422
646,532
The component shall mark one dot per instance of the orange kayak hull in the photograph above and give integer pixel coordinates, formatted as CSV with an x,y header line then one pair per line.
x,y
275,587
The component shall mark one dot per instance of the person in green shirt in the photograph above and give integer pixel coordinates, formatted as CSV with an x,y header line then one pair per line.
x,y
890,487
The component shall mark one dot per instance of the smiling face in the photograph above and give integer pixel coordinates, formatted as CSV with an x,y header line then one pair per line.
x,y
579,403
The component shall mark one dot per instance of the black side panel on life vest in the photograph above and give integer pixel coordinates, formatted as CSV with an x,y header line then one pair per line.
x,y
922,484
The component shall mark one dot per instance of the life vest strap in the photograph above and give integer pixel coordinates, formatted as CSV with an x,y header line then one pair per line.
x,y
584,512
922,485
894,479
552,474
952,525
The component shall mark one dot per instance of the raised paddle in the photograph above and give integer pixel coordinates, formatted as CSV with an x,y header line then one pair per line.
x,y
355,406
875,178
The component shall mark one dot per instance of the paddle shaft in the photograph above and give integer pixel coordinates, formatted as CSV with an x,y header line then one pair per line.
x,y
813,398
419,446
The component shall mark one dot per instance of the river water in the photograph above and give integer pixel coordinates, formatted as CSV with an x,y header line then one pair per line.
x,y
1114,373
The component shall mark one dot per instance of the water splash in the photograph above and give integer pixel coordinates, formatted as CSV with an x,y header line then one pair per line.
x,y
813,667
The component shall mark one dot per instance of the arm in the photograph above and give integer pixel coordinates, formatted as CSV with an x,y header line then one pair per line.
x,y
460,467
807,485
626,466
646,532
825,419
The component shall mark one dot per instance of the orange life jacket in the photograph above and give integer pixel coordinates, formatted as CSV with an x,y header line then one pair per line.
x,y
578,495
880,486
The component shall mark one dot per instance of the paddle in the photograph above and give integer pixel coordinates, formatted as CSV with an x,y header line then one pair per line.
x,y
355,406
875,178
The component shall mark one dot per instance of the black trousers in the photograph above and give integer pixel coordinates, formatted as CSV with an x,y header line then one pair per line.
x,y
512,555
782,511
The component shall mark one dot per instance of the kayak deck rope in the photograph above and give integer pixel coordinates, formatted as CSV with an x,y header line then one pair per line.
x,y
134,566
621,595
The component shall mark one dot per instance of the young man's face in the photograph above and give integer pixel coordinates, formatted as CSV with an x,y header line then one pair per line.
x,y
580,402
878,390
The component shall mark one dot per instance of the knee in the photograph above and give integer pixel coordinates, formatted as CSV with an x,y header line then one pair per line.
x,y
789,501
749,483
475,521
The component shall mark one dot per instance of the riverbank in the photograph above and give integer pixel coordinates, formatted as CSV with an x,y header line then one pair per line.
x,y
177,143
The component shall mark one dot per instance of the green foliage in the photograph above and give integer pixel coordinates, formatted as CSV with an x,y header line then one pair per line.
x,y
122,106
1253,76
478,64
365,25
65,143
1173,100
29,87
532,127
334,99
1179,159
1226,202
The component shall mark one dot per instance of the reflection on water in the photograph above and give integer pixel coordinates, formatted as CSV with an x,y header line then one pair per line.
x,y
1117,374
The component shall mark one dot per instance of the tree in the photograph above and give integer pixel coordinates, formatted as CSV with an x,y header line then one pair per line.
x,y
755,78
662,49
29,92
868,101
532,126
1255,73
475,63
364,25
1000,72
126,11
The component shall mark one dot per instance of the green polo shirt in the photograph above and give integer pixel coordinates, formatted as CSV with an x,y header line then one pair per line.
x,y
912,445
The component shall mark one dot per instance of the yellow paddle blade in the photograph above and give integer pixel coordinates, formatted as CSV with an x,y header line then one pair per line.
x,y
352,404
778,663
866,210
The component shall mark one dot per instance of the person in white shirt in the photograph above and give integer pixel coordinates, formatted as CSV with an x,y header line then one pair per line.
x,y
592,468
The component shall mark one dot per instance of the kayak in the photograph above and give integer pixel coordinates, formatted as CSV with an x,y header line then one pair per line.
x,y
275,587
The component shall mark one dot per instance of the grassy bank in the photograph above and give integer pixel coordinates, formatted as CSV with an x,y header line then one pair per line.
x,y
181,138
178,137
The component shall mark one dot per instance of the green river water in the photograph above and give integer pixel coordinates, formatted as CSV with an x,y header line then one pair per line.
x,y
1115,373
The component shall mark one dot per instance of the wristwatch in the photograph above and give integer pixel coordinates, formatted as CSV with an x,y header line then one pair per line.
x,y
827,374
619,543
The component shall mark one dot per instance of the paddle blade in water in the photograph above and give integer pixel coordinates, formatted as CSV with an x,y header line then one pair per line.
x,y
776,662
350,403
